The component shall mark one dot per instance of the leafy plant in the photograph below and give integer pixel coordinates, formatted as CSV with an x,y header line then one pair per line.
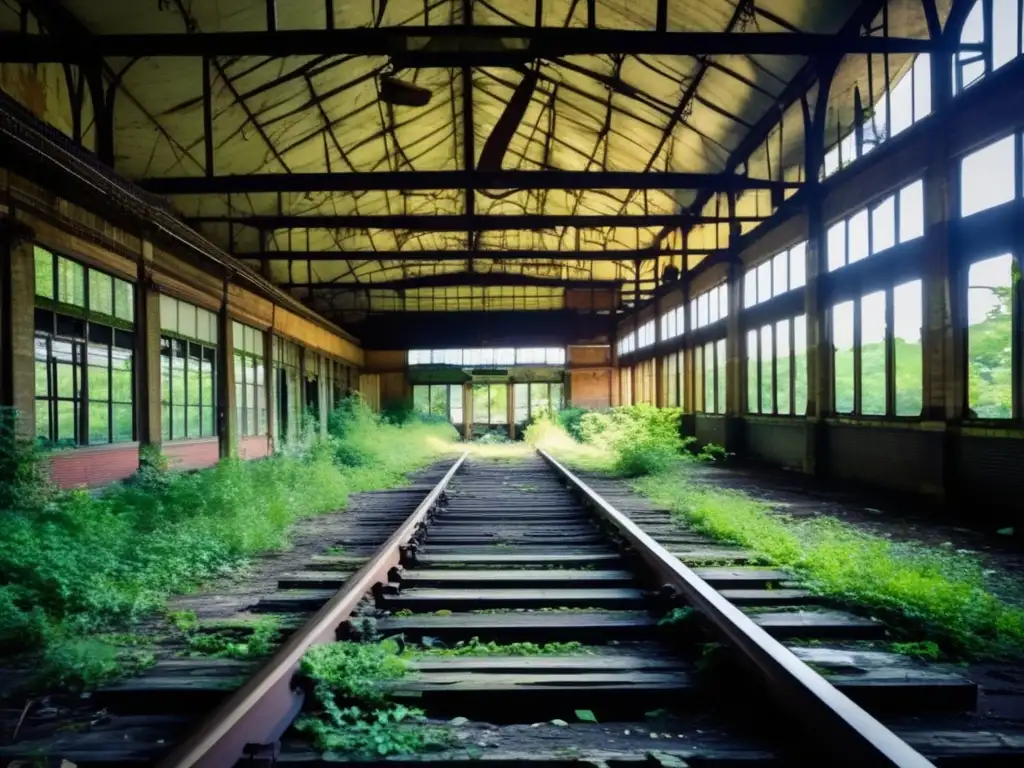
x,y
675,617
474,647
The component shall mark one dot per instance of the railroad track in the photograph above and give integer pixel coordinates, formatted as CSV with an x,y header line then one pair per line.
x,y
527,552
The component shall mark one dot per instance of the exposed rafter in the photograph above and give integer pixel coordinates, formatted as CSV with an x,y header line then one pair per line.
x,y
455,46
455,279
460,223
438,256
429,180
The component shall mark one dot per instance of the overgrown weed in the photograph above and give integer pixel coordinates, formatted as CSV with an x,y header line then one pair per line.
x,y
75,563
937,592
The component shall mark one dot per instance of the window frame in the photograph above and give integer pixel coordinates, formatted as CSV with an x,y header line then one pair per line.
x,y
118,324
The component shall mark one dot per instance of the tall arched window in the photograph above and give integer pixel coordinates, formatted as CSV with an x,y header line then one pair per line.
x,y
999,26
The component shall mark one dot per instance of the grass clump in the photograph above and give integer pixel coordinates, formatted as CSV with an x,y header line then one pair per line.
x,y
354,714
938,592
474,647
244,641
76,564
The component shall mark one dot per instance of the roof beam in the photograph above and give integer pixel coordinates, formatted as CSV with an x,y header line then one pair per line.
x,y
461,223
430,256
456,279
430,180
451,46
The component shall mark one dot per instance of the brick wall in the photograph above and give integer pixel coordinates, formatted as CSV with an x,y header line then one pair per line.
x,y
192,454
255,447
93,467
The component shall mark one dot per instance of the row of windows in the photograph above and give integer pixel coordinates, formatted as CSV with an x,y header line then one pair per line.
x,y
645,335
530,399
876,229
783,272
488,357
627,344
444,400
777,368
911,99
84,363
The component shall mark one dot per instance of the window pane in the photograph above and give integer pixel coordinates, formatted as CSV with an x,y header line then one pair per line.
x,y
702,310
1005,45
42,369
207,425
439,400
987,177
764,282
99,423
753,398
780,273
124,304
901,105
767,395
192,421
723,301
539,401
750,288
782,398
44,273
912,211
66,418
207,394
907,318
99,372
101,294
709,378
123,423
720,368
990,338
497,397
557,396
883,225
922,86
521,393
842,341
800,365
836,246
858,234
168,313
68,384
798,265
421,398
872,354
713,305
455,403
70,282
698,379
187,320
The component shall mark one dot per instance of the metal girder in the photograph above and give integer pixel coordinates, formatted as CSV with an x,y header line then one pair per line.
x,y
459,222
428,256
431,180
458,279
453,46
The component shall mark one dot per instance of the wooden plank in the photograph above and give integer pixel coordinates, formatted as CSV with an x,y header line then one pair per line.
x,y
512,578
769,596
462,681
589,627
739,578
715,555
505,558
820,625
483,599
549,664
313,579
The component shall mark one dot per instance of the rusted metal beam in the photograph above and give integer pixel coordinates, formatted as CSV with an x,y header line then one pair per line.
x,y
476,45
516,255
461,179
457,222
455,279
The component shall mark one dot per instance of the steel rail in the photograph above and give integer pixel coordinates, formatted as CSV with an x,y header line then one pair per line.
x,y
258,712
849,734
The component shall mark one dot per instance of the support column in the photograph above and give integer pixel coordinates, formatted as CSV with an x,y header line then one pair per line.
x,y
819,343
17,323
467,410
226,421
735,426
148,410
659,360
270,380
510,409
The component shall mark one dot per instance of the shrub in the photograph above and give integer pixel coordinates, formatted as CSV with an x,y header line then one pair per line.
x,y
571,420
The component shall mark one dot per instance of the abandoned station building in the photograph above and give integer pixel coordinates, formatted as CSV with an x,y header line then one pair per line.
x,y
800,221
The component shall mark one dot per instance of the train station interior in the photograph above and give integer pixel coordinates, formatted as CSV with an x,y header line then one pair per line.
x,y
799,222
659,319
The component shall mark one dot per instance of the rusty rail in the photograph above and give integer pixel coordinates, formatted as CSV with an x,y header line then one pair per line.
x,y
849,735
252,719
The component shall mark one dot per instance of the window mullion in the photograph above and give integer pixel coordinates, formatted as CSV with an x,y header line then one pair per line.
x,y
857,340
792,367
890,353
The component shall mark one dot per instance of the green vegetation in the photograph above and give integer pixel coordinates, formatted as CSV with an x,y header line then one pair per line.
x,y
244,641
935,592
474,647
75,564
354,714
